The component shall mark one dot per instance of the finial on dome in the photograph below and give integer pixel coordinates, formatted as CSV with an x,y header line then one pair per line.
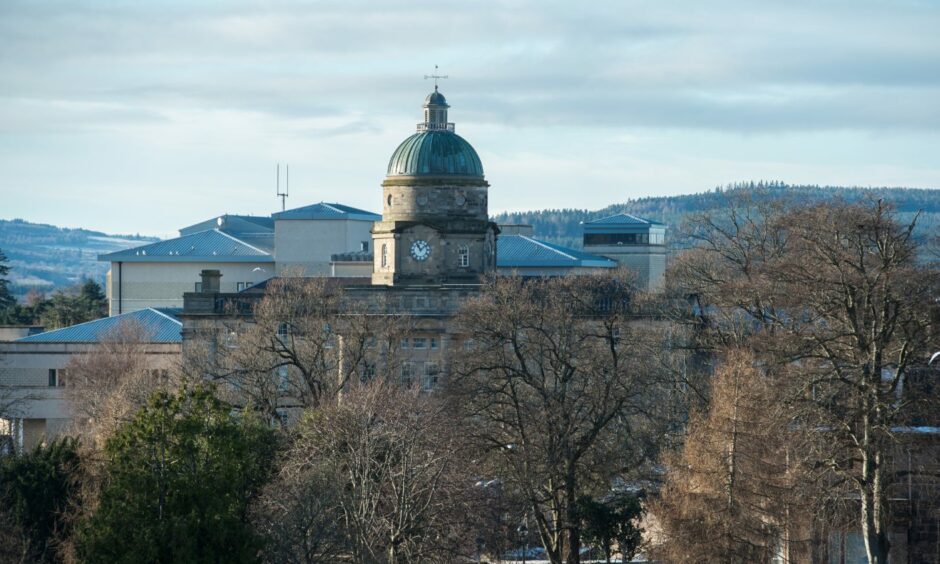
x,y
435,76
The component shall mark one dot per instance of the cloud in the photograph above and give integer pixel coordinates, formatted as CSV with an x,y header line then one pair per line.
x,y
166,95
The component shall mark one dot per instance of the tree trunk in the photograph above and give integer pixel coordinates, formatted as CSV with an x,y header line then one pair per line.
x,y
874,534
574,521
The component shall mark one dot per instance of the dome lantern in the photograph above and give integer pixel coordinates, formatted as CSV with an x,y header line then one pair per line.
x,y
435,113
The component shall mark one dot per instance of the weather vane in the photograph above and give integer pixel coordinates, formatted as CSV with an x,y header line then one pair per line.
x,y
435,76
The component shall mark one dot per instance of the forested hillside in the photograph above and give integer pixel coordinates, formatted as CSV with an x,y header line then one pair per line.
x,y
563,226
45,257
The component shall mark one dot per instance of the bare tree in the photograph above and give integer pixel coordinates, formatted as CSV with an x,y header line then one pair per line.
x,y
381,476
553,376
107,384
303,343
835,296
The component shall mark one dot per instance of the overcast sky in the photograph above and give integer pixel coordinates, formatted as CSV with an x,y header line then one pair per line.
x,y
149,116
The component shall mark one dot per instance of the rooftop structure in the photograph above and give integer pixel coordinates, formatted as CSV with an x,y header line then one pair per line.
x,y
324,210
435,150
211,245
529,256
159,326
635,242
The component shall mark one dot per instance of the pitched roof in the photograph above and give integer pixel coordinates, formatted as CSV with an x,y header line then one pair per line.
x,y
623,219
324,210
211,245
517,251
160,325
233,224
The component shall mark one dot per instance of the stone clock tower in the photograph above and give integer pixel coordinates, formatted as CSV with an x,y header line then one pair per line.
x,y
435,228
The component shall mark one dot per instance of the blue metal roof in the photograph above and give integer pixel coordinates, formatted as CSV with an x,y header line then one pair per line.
x,y
205,246
324,210
233,225
160,325
623,219
434,153
517,251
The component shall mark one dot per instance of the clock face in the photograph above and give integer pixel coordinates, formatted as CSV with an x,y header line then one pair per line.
x,y
420,250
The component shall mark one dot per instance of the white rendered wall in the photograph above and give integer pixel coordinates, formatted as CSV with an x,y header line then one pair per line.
x,y
41,410
304,246
162,284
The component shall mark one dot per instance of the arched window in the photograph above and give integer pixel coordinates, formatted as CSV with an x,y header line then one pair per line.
x,y
384,256
464,254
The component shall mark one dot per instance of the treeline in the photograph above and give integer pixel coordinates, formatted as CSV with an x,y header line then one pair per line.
x,y
563,226
82,302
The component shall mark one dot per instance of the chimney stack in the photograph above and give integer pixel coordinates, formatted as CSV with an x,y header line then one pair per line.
x,y
211,281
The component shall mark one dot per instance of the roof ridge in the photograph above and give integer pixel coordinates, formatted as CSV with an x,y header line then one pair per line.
x,y
549,247
76,325
630,215
158,312
334,208
239,241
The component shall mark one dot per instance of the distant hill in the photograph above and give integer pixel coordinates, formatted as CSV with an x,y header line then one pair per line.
x,y
45,257
563,226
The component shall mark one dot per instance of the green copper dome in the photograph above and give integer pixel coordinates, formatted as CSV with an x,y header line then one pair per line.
x,y
435,153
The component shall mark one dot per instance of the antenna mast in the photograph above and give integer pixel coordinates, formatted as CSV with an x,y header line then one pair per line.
x,y
283,196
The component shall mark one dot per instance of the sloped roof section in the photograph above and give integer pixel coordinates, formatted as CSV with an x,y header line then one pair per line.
x,y
233,225
623,219
211,245
159,325
519,251
324,210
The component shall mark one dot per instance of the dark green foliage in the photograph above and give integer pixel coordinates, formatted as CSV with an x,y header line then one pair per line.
x,y
179,480
613,521
64,309
6,298
84,302
35,491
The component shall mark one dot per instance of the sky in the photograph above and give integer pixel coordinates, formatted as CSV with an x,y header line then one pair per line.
x,y
144,117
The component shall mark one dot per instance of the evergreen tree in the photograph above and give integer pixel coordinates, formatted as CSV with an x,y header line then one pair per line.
x,y
93,299
613,521
35,490
179,479
6,298
66,309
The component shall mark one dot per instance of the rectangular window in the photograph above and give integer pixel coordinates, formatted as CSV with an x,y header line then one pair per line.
x,y
53,378
431,372
464,254
433,343
239,286
419,343
283,378
404,343
407,374
198,286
